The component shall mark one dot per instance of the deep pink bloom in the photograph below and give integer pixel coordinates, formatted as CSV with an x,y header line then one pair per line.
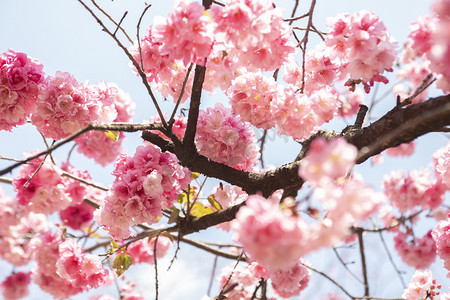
x,y
15,286
224,138
419,253
21,80
142,251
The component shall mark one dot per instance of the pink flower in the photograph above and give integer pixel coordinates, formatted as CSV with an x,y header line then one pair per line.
x,y
145,183
441,235
252,96
77,216
327,161
405,149
224,138
95,144
290,281
419,286
415,189
419,253
21,80
185,34
15,286
142,251
66,106
45,193
269,235
442,165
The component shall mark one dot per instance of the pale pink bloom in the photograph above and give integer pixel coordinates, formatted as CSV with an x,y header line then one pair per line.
x,y
417,188
66,106
387,218
228,195
416,252
419,286
272,237
128,201
21,80
142,251
224,138
290,281
405,149
441,235
45,192
255,32
15,286
186,33
95,144
252,96
350,102
80,269
363,47
327,161
441,159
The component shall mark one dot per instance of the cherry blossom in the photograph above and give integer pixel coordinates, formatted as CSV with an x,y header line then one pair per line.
x,y
290,281
419,286
269,235
327,161
15,286
224,138
21,79
441,235
131,199
419,253
142,251
442,165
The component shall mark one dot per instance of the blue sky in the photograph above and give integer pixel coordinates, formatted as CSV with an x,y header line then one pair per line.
x,y
62,36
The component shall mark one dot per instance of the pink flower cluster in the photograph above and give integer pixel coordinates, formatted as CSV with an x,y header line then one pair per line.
x,y
254,31
417,188
290,281
15,286
442,165
405,149
142,251
441,235
21,78
269,235
145,183
362,46
300,116
416,252
63,269
45,192
178,126
66,106
95,144
439,53
327,161
224,138
17,224
252,96
419,287
185,34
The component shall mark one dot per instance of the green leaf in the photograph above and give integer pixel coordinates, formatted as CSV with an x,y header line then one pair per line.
x,y
199,210
122,263
114,246
194,175
173,215
214,203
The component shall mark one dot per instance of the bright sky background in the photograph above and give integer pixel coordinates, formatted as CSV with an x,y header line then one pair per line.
x,y
63,36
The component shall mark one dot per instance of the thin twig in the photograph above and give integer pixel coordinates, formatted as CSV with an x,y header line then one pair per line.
x,y
127,127
213,274
392,260
345,265
120,22
363,262
133,61
138,29
183,87
112,20
155,260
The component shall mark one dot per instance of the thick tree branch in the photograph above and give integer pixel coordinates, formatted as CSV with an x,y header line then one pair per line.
x,y
398,126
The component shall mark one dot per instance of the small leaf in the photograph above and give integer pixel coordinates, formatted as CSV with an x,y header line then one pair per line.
x,y
199,210
114,246
173,215
194,175
91,232
112,135
122,263
168,235
214,203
